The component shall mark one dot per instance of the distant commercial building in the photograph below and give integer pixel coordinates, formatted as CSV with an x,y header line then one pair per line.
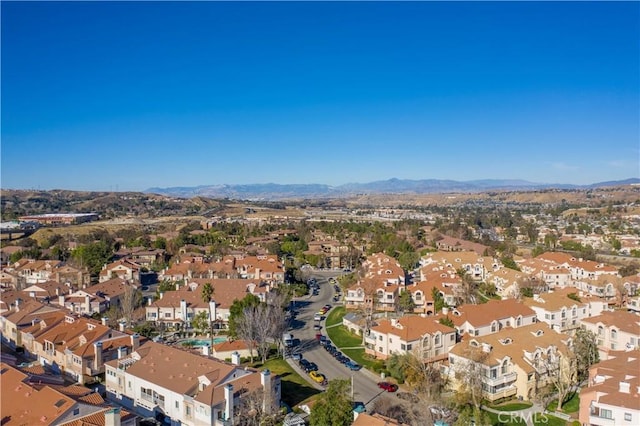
x,y
61,218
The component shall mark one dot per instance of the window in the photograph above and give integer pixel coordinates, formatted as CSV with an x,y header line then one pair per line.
x,y
600,331
627,417
380,337
504,367
167,314
379,348
76,411
494,373
177,404
436,339
519,322
452,337
409,347
606,413
614,334
403,347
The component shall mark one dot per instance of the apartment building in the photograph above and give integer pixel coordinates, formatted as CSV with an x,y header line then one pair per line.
x,y
615,331
425,337
612,397
187,388
379,288
512,362
182,305
490,317
563,309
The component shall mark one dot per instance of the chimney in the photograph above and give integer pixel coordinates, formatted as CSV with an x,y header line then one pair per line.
x,y
445,310
97,347
486,347
112,417
161,294
121,325
257,275
87,304
104,320
122,352
57,291
149,301
206,350
183,310
394,322
61,301
135,342
625,387
265,381
235,358
228,406
212,311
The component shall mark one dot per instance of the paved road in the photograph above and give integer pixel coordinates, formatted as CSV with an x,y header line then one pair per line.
x,y
365,387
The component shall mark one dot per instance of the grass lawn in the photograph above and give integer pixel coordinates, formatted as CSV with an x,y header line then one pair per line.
x,y
295,388
360,357
570,406
335,316
343,338
495,419
512,406
548,420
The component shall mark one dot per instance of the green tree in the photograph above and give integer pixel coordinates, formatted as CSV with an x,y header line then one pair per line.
x,y
93,256
335,406
447,321
160,243
508,262
438,300
201,322
409,260
405,303
237,310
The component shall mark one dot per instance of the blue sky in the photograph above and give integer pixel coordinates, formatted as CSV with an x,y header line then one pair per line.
x,y
132,95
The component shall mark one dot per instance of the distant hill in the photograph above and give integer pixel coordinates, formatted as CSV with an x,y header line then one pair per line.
x,y
272,191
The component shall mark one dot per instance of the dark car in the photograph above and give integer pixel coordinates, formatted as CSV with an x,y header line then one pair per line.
x,y
389,387
354,366
303,362
323,340
310,367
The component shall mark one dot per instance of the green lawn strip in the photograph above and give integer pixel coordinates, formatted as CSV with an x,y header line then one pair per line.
x,y
505,419
335,316
548,420
514,406
343,338
295,388
570,406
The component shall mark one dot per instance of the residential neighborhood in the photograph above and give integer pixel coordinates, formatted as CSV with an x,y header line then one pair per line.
x,y
174,328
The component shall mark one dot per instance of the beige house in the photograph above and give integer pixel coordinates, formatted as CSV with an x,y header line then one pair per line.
x,y
615,331
514,362
491,317
564,309
425,337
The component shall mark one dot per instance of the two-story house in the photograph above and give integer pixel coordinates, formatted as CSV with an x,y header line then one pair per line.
x,y
613,393
187,388
425,337
563,309
615,331
491,317
514,362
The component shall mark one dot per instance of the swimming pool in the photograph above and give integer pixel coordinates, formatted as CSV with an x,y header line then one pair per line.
x,y
205,342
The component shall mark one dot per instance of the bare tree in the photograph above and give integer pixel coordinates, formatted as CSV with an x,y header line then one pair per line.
x,y
558,370
252,411
129,301
246,328
425,379
469,372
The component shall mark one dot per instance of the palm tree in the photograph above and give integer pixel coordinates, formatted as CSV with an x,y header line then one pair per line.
x,y
207,293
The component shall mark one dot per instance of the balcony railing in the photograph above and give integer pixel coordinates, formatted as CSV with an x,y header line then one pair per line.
x,y
502,393
506,378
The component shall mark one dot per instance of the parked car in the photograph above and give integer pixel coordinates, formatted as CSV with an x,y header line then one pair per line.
x,y
311,367
297,356
352,365
317,327
389,387
317,377
303,363
323,340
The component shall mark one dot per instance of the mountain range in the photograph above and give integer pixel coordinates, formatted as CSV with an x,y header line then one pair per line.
x,y
273,191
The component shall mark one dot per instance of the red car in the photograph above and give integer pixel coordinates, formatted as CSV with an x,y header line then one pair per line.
x,y
389,387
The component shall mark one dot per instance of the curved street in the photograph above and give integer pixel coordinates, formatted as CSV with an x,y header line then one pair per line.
x,y
365,388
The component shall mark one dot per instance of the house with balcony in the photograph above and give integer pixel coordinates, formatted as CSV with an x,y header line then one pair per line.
x,y
34,271
45,292
380,286
633,304
563,309
514,362
425,337
612,396
491,317
187,388
615,331
474,265
179,307
28,403
24,315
